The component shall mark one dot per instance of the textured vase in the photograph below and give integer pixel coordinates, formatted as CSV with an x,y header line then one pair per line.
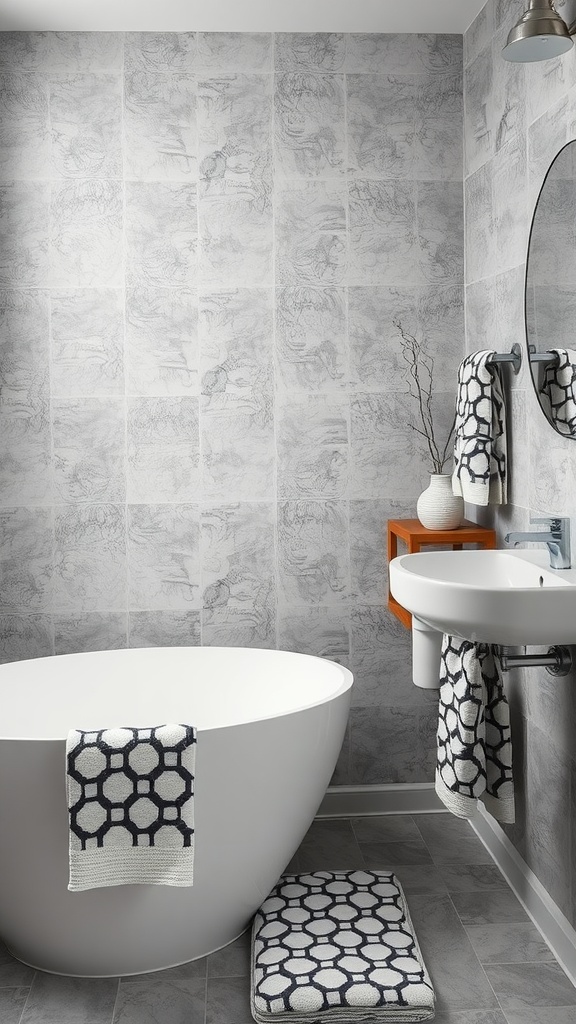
x,y
437,507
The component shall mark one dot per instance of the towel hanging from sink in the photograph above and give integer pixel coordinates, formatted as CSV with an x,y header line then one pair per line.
x,y
474,742
559,387
131,806
480,432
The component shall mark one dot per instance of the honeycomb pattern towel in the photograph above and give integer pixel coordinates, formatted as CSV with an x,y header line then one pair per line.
x,y
474,742
131,806
480,432
337,946
559,387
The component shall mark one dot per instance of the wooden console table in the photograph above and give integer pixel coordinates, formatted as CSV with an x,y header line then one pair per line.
x,y
415,536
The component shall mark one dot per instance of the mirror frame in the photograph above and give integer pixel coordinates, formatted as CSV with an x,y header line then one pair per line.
x,y
530,349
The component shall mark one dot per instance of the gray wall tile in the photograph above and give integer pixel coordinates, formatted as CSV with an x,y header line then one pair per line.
x,y
24,234
161,234
238,575
89,449
163,556
26,559
313,450
160,127
311,244
237,441
163,440
226,52
24,126
161,341
309,130
86,219
25,445
25,636
309,51
87,341
86,125
381,114
311,339
93,631
90,558
164,628
313,560
165,52
383,233
438,142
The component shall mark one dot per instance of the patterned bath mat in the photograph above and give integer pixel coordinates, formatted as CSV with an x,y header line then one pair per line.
x,y
337,945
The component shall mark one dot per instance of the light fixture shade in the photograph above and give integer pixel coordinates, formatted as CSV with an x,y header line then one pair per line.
x,y
540,34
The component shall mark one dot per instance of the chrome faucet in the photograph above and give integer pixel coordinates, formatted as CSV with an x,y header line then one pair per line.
x,y
557,537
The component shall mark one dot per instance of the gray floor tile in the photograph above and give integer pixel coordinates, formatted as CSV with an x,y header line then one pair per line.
x,y
528,985
12,1002
472,877
13,973
458,978
228,1001
379,855
451,840
508,943
496,906
54,999
541,1015
419,878
471,1017
330,845
233,961
386,828
170,999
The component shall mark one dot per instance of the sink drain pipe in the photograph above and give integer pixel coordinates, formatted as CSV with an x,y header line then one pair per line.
x,y
557,661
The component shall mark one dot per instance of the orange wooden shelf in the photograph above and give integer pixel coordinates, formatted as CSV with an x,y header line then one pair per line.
x,y
415,536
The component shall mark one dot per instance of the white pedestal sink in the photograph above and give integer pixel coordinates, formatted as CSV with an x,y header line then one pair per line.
x,y
499,597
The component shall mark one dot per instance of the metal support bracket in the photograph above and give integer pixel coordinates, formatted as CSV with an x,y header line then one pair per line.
x,y
557,661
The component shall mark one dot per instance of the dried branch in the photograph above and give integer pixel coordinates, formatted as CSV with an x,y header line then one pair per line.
x,y
420,379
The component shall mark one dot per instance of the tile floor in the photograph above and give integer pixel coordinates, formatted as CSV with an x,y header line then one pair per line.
x,y
488,962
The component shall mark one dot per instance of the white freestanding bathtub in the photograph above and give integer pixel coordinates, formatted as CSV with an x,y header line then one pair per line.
x,y
270,727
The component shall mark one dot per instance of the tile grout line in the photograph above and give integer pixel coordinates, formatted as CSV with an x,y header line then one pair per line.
x,y
21,1018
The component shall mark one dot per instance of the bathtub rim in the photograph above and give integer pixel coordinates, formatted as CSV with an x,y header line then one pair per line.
x,y
346,682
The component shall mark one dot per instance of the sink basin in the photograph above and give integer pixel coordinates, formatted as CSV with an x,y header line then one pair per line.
x,y
499,597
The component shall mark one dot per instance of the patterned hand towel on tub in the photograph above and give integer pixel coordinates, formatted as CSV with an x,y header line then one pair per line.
x,y
131,806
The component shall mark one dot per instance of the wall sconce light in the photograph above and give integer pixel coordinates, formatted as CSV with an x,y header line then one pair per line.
x,y
539,34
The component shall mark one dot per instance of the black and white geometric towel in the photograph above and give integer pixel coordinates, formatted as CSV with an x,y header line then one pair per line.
x,y
337,946
474,742
480,432
131,806
559,388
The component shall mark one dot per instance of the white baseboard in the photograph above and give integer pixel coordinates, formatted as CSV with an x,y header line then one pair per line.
x,y
538,904
357,801
421,798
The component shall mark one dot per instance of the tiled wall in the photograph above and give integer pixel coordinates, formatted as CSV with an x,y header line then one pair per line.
x,y
517,117
204,419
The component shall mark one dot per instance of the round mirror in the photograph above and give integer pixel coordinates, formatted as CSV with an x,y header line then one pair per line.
x,y
551,294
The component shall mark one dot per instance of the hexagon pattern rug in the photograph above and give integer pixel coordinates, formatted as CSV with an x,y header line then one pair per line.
x,y
338,946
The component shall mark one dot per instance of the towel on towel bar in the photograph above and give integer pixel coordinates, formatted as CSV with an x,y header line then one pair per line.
x,y
131,806
474,744
480,432
559,388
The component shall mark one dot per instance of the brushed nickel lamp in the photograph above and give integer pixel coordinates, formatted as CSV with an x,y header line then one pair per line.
x,y
539,34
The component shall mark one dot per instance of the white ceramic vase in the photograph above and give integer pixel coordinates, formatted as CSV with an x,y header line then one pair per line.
x,y
437,507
